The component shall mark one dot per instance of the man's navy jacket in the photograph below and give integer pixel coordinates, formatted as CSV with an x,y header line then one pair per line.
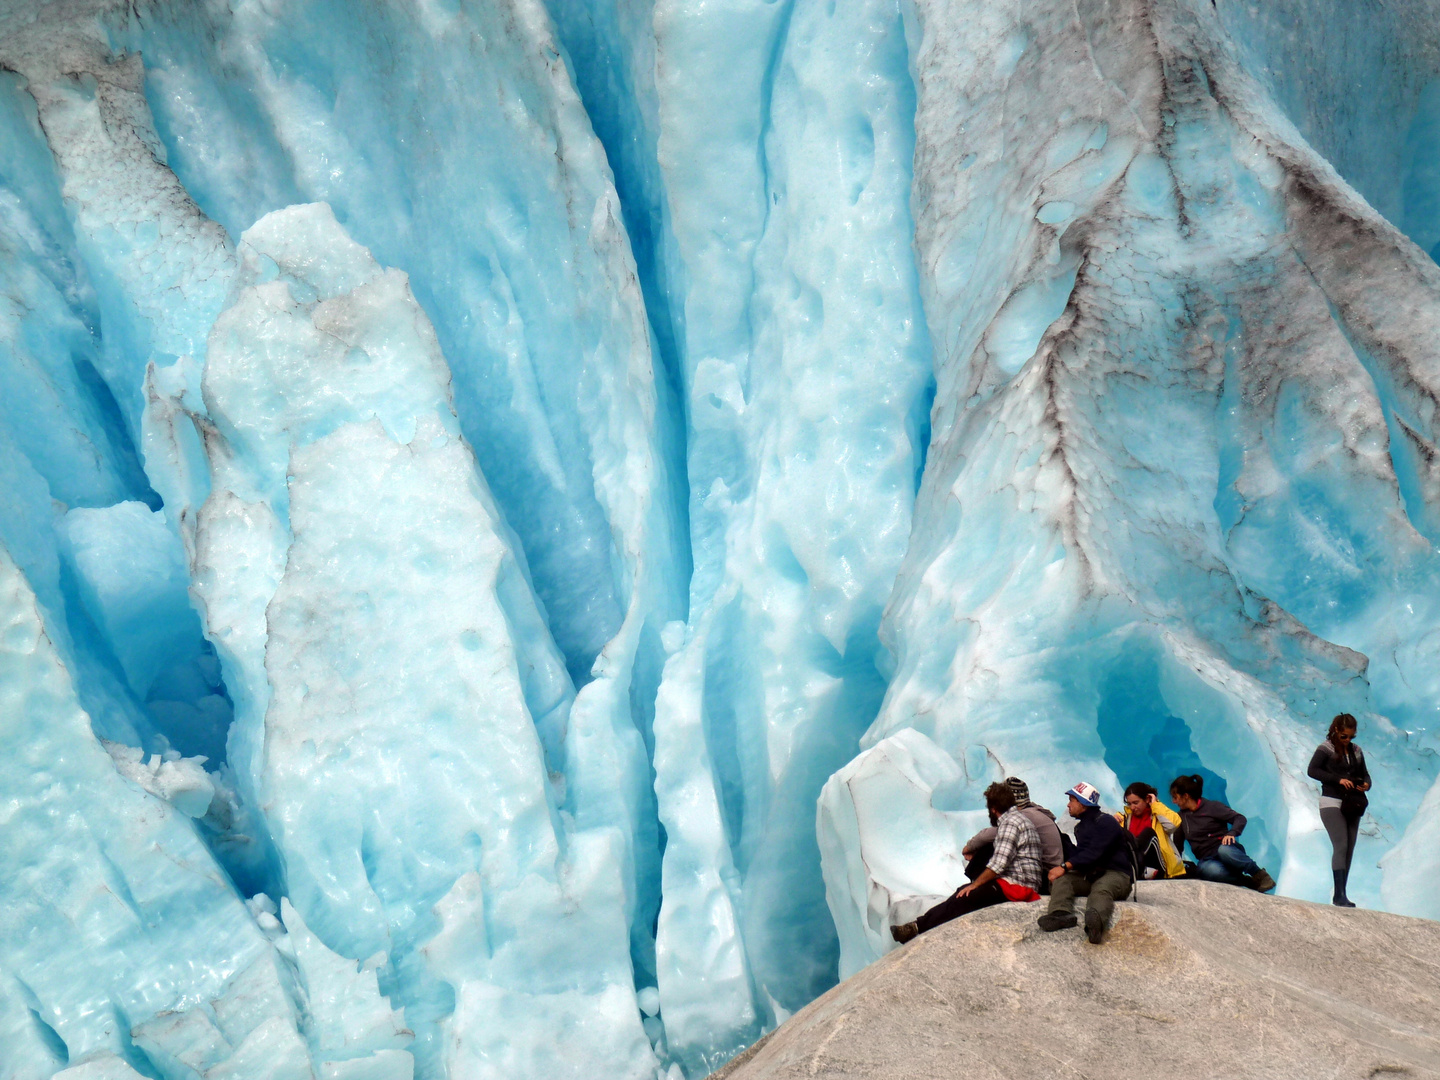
x,y
1100,845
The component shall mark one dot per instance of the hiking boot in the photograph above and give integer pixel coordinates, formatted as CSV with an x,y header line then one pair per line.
x,y
1057,920
1094,927
1262,882
905,932
1341,900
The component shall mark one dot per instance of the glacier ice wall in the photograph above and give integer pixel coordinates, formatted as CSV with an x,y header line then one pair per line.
x,y
807,372
528,526
1362,84
338,479
1192,516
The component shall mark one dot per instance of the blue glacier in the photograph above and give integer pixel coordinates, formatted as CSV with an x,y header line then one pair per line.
x,y
527,526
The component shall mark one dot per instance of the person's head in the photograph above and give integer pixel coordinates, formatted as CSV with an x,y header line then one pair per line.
x,y
1186,790
1021,790
1342,733
1082,797
998,799
1137,798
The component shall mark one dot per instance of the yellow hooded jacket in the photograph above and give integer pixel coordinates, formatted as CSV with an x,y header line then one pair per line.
x,y
1169,821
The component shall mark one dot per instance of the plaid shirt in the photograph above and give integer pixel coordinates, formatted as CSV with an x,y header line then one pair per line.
x,y
1018,854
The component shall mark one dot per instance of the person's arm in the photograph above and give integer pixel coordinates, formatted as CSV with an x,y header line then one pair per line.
x,y
979,840
1364,770
1236,821
1168,818
984,878
1007,837
1320,769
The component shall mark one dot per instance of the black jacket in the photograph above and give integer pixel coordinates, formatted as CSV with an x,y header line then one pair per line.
x,y
1100,845
1330,768
1207,826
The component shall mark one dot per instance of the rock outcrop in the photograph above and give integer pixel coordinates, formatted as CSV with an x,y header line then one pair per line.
x,y
1195,981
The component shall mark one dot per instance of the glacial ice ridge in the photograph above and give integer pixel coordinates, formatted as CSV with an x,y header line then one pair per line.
x,y
527,527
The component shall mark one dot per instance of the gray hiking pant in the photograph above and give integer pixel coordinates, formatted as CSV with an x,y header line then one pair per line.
x,y
1343,832
1103,892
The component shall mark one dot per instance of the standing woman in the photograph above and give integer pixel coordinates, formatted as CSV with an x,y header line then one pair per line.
x,y
1339,765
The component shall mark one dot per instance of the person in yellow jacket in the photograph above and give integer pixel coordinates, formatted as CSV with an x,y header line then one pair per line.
x,y
1151,822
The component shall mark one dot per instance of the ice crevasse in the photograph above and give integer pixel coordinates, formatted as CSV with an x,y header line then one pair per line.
x,y
528,527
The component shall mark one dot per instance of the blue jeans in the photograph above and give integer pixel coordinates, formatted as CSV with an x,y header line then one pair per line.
x,y
1228,864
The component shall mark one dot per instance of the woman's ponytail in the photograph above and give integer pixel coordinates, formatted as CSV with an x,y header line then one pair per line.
x,y
1190,786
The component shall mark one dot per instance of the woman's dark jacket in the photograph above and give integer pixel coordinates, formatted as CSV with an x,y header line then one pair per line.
x,y
1330,768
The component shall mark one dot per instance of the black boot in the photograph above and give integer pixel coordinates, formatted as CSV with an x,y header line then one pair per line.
x,y
1341,900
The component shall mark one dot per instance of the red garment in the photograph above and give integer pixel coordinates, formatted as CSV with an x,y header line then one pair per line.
x,y
1139,825
1016,893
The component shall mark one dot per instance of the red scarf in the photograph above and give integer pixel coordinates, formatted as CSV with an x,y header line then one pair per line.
x,y
1013,892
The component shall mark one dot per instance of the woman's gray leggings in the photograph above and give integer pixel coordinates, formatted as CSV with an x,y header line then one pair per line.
x,y
1342,832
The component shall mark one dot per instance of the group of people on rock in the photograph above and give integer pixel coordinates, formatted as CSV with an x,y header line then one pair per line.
x,y
1023,855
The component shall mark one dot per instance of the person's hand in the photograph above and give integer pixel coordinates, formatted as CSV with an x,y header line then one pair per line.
x,y
1119,817
1056,873
964,891
1365,785
1227,839
969,853
1348,784
1150,799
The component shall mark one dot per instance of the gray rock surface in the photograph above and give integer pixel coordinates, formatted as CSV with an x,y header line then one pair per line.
x,y
1195,982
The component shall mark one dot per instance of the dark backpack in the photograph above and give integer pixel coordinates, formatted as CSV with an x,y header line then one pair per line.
x,y
1136,852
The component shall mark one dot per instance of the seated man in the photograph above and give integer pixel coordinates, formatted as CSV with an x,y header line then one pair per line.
x,y
1213,830
1099,868
980,847
1013,873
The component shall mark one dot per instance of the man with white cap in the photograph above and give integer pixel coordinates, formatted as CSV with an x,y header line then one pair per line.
x,y
1099,868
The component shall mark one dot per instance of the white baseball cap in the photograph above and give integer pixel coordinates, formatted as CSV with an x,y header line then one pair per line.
x,y
1085,793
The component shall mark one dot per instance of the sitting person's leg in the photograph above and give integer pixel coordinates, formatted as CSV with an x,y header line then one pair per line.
x,y
1108,888
1064,889
1236,861
1246,870
1215,870
1061,911
1150,858
986,895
